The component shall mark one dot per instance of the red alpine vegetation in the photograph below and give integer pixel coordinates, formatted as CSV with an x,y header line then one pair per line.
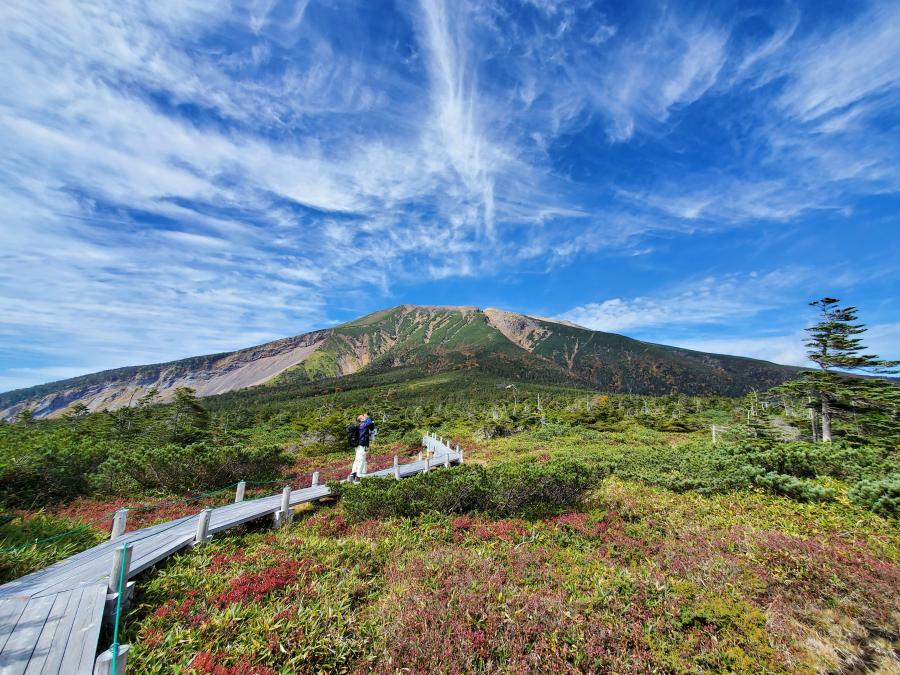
x,y
256,585
207,663
329,524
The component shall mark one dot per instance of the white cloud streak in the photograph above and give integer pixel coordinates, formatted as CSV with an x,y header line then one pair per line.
x,y
787,350
758,315
164,194
816,142
711,300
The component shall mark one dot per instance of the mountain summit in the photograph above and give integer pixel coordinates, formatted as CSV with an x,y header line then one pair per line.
x,y
412,341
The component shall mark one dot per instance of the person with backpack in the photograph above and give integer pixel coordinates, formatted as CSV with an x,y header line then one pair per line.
x,y
359,435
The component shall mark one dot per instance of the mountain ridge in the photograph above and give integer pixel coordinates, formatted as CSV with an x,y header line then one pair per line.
x,y
424,339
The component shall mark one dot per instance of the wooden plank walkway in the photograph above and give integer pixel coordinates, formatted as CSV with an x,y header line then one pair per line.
x,y
50,620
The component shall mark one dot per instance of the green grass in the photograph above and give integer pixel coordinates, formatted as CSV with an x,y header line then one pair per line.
x,y
19,554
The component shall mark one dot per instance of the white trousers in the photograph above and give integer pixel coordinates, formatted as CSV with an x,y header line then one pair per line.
x,y
360,465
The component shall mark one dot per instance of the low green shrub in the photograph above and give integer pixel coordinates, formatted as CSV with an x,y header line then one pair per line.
x,y
881,495
791,486
526,489
811,460
49,472
176,469
690,466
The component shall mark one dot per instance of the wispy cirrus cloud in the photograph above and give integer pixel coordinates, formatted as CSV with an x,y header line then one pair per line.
x,y
693,302
759,315
186,177
820,137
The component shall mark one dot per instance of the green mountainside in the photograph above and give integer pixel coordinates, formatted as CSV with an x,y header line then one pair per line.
x,y
517,347
410,342
617,363
421,341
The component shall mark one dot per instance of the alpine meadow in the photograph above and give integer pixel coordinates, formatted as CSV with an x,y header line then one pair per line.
x,y
589,529
517,336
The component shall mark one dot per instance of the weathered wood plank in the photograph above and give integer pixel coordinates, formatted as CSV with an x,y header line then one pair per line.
x,y
11,609
144,558
144,554
92,632
16,654
309,494
81,648
39,581
50,644
63,634
98,569
220,525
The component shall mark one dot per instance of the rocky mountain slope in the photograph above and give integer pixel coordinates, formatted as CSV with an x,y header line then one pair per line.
x,y
419,340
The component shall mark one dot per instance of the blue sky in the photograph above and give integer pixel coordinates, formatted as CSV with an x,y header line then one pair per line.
x,y
181,177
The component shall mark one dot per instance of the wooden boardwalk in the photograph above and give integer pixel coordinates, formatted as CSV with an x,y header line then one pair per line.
x,y
50,620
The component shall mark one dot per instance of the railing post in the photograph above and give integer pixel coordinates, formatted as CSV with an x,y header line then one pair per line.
x,y
121,559
285,515
420,455
115,575
239,493
103,664
459,451
427,464
396,467
202,535
120,520
315,478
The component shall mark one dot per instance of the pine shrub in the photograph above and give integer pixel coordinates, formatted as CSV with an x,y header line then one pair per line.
x,y
525,489
795,488
178,469
881,495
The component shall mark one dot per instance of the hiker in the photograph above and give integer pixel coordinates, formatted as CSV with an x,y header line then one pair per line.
x,y
359,435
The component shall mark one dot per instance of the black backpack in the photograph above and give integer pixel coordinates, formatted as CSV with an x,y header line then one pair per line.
x,y
353,435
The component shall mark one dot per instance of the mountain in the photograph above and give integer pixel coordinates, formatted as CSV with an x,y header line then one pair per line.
x,y
412,341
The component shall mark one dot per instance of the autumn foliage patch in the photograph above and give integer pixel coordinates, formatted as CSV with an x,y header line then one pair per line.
x,y
250,586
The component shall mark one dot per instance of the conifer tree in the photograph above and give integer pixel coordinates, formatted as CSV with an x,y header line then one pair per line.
x,y
835,348
76,411
187,418
25,416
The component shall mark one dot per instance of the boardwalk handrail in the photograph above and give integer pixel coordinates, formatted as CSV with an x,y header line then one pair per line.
x,y
147,507
37,636
112,514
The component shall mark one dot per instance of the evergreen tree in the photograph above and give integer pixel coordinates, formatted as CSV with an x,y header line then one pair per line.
x,y
25,416
76,411
188,419
834,347
149,398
